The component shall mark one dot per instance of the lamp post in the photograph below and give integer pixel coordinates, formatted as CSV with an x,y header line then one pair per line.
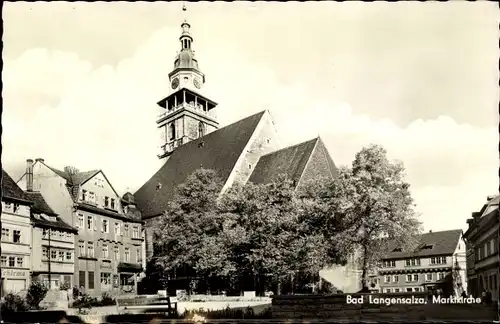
x,y
49,259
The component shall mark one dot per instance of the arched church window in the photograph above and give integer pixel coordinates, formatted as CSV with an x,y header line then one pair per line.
x,y
172,131
201,129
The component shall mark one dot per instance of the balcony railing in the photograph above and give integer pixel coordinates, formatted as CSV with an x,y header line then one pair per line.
x,y
168,148
189,105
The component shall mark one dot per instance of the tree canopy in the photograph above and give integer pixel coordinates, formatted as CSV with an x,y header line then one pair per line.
x,y
278,232
377,208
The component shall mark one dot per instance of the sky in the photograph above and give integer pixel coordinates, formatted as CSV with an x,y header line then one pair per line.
x,y
81,82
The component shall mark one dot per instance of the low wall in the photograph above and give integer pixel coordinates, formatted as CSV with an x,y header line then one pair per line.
x,y
257,306
222,298
356,307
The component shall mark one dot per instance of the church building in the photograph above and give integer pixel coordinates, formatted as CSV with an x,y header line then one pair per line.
x,y
246,150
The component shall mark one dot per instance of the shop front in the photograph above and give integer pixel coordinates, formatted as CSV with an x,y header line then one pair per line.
x,y
14,280
127,277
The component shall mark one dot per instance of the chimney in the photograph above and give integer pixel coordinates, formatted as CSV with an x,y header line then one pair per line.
x,y
71,170
29,175
40,160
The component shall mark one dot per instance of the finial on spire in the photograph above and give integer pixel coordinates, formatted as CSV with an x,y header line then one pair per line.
x,y
184,9
185,38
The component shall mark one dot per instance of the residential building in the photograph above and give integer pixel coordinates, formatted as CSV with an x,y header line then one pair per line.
x,y
109,244
438,260
247,150
16,237
53,249
482,250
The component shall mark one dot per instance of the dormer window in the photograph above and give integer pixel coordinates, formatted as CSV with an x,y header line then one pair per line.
x,y
427,247
397,250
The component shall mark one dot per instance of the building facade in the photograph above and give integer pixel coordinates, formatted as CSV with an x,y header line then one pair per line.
x,y
109,244
439,260
16,237
53,249
482,238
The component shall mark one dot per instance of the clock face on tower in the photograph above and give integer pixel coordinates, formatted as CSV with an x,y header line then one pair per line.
x,y
175,83
197,82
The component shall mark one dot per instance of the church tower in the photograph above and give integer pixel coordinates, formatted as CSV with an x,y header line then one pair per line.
x,y
187,114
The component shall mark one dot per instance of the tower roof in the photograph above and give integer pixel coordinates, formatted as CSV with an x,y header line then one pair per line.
x,y
185,58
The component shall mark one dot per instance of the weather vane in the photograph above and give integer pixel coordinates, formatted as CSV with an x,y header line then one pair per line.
x,y
184,9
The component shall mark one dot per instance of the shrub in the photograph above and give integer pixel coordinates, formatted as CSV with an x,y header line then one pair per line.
x,y
327,288
12,303
36,293
76,293
85,301
65,286
107,300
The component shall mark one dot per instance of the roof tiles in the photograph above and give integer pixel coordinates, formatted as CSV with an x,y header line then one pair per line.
x,y
218,151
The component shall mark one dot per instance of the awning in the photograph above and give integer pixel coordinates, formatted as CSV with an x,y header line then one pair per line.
x,y
129,267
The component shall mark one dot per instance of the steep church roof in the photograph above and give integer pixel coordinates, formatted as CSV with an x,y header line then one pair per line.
x,y
292,162
219,151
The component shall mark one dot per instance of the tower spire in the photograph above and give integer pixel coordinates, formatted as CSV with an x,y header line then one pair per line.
x,y
197,116
185,38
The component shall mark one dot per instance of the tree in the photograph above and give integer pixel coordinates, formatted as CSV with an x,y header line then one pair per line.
x,y
36,293
188,234
376,208
282,241
265,215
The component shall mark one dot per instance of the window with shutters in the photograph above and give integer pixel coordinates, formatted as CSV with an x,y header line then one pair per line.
x,y
81,248
105,252
90,223
127,255
81,221
105,226
90,249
